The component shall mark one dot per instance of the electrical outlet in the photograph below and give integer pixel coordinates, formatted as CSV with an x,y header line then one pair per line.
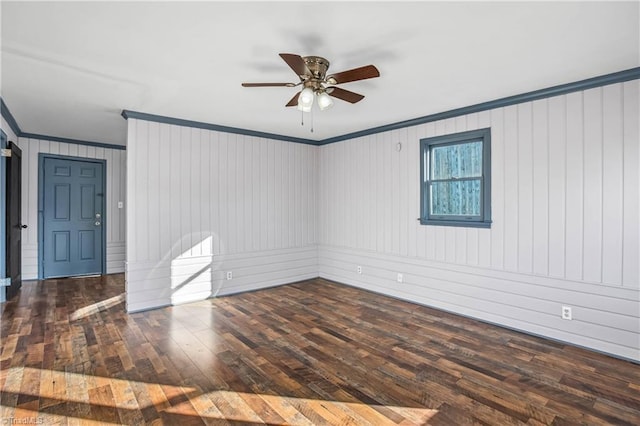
x,y
359,269
400,278
566,313
229,275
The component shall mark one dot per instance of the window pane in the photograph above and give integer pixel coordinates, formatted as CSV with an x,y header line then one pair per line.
x,y
456,198
456,161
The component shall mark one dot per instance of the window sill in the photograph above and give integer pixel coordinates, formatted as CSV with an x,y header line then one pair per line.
x,y
457,223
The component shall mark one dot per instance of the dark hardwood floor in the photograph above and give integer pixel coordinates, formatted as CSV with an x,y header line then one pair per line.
x,y
307,353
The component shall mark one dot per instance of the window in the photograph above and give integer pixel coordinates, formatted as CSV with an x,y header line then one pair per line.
x,y
456,179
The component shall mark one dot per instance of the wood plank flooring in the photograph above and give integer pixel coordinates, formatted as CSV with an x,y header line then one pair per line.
x,y
310,353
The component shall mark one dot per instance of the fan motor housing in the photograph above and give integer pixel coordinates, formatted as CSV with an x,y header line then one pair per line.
x,y
317,65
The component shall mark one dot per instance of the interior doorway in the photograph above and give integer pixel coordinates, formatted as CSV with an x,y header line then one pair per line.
x,y
14,225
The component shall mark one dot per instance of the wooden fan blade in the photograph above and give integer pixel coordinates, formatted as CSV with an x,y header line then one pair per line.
x,y
345,95
296,63
268,84
362,73
294,100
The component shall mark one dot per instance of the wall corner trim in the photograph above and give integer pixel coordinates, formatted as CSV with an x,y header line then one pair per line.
x,y
127,114
4,110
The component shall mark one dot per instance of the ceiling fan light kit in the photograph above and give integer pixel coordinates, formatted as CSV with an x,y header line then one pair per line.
x,y
305,100
324,101
317,85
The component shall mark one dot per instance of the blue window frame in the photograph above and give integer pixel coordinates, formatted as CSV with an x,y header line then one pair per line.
x,y
455,173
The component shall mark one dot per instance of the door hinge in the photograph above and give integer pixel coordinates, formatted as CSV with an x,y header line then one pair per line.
x,y
6,152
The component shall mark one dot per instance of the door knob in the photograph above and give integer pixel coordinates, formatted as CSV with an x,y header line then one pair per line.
x,y
23,226
97,223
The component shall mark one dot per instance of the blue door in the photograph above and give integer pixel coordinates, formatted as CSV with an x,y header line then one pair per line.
x,y
73,217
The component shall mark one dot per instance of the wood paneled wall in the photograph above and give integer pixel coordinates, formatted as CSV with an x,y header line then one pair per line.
x,y
203,203
565,194
115,218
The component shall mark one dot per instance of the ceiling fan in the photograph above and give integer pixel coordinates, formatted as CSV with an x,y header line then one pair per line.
x,y
312,71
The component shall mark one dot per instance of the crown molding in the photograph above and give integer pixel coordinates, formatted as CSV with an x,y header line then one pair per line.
x,y
603,80
127,114
562,89
6,114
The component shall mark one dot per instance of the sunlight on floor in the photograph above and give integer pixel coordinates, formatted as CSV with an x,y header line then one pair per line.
x,y
97,307
61,389
335,412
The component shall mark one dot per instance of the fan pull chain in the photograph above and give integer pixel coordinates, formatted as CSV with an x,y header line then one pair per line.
x,y
311,120
302,118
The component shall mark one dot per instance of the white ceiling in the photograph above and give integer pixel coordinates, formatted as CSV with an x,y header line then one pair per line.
x,y
70,68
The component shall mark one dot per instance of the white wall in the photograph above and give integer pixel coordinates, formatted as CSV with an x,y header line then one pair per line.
x,y
565,210
202,203
565,191
115,218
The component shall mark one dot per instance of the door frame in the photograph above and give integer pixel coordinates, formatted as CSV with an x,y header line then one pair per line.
x,y
13,259
3,205
41,157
